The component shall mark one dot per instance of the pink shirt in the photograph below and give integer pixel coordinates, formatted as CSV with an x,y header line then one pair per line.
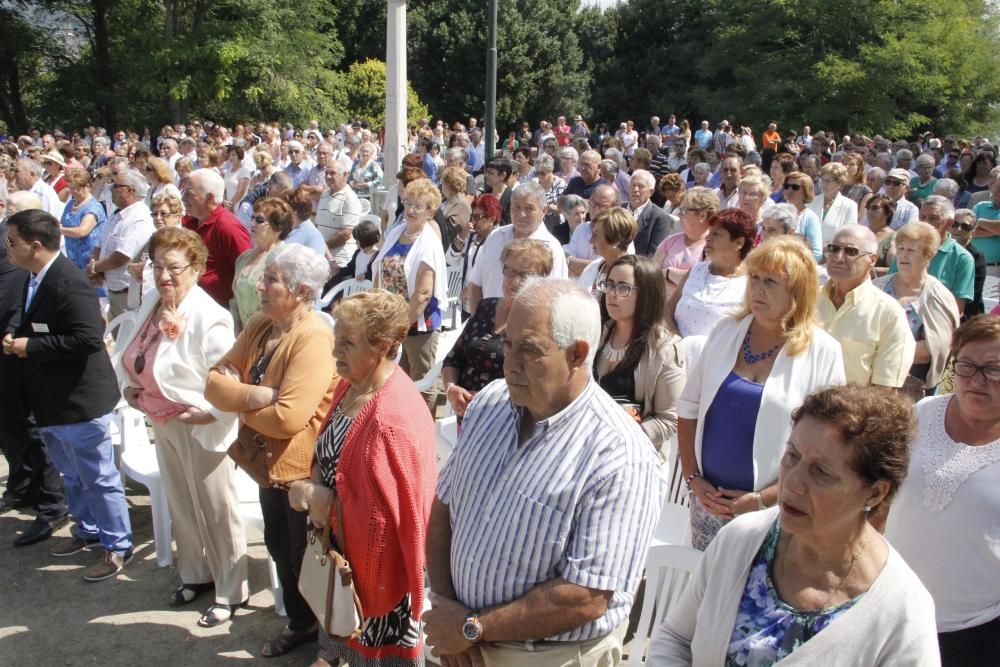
x,y
157,407
678,255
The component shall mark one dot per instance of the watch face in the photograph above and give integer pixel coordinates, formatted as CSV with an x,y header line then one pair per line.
x,y
471,631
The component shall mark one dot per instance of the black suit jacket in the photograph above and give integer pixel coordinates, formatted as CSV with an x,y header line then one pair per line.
x,y
67,376
655,224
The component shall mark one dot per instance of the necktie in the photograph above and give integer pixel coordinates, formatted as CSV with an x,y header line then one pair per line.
x,y
32,288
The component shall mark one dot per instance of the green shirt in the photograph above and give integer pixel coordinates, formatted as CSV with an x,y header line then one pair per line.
x,y
953,266
918,194
988,245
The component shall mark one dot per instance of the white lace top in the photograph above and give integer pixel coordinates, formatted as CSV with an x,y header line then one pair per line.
x,y
707,299
945,522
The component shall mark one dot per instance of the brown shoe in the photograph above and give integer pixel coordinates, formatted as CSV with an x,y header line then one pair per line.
x,y
73,547
110,565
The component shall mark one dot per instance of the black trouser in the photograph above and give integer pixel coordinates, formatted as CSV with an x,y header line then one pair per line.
x,y
33,479
285,536
978,646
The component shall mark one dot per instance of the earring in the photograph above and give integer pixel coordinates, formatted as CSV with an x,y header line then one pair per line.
x,y
868,508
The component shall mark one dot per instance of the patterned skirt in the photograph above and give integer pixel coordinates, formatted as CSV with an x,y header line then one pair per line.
x,y
704,525
393,640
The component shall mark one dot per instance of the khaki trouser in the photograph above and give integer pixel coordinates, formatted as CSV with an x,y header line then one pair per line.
x,y
117,303
601,652
204,513
419,352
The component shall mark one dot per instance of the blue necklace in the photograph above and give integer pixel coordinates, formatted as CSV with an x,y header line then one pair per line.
x,y
750,358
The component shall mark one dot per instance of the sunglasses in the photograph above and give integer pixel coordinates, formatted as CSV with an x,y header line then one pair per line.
x,y
792,186
964,226
849,251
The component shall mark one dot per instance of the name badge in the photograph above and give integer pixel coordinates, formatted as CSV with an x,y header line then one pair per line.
x,y
39,327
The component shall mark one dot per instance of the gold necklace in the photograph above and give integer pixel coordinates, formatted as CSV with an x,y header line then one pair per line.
x,y
850,567
357,398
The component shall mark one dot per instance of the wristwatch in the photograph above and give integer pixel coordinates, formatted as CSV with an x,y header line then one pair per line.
x,y
472,629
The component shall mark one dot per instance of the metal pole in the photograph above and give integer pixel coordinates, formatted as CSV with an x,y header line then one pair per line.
x,y
491,81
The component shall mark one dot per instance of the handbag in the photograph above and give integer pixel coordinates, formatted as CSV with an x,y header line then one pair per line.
x,y
249,451
327,583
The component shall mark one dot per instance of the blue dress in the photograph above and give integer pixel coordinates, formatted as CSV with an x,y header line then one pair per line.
x,y
78,250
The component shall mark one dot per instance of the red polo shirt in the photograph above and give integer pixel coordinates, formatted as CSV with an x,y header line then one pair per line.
x,y
226,238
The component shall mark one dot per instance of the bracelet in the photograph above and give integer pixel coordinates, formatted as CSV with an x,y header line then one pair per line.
x,y
690,478
760,501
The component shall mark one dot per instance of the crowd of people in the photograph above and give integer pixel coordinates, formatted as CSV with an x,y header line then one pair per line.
x,y
754,320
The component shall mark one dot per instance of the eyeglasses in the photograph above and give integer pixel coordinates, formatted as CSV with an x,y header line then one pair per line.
x,y
416,206
478,216
964,226
117,186
620,290
172,270
893,184
848,250
967,369
162,214
792,186
518,275
751,195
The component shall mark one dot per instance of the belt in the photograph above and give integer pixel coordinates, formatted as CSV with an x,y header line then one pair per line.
x,y
118,291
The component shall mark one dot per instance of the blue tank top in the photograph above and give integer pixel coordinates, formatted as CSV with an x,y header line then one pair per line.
x,y
727,439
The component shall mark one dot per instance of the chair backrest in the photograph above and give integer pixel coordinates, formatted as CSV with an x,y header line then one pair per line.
x,y
668,568
366,207
345,288
131,426
121,326
454,282
446,341
370,217
328,318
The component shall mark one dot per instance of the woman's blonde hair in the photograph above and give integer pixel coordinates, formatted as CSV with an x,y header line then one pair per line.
x,y
836,171
921,233
790,259
382,315
701,198
617,226
424,191
160,167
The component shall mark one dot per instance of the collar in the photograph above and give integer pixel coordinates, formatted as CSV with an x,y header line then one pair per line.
x,y
852,297
637,212
45,269
561,419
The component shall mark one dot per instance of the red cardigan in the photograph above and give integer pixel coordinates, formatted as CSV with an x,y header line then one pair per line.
x,y
386,476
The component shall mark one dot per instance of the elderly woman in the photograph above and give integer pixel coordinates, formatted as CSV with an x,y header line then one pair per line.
x,y
411,264
701,172
162,367
640,361
574,210
304,231
366,173
735,407
55,173
922,185
930,307
879,211
798,188
550,182
272,223
264,162
184,168
456,209
716,286
568,159
612,233
83,218
782,165
477,356
855,188
944,521
779,220
376,455
669,193
167,210
279,376
812,582
833,210
753,195
684,249
236,176
161,179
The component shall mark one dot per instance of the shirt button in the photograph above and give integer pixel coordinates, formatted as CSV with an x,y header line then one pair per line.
x,y
269,455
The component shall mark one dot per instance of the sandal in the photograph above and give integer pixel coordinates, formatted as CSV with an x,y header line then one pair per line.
x,y
219,613
186,593
287,640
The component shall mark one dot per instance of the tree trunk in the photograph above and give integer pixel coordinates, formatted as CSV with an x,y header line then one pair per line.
x,y
103,70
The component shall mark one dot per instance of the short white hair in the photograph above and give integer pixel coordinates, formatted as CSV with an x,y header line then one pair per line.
x,y
573,312
300,266
570,152
946,205
528,190
946,187
647,178
32,166
212,183
136,181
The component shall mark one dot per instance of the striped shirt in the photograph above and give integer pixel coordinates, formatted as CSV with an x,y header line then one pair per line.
x,y
578,500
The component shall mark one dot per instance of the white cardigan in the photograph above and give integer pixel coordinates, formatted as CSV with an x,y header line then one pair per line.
x,y
180,367
791,379
891,625
842,212
427,250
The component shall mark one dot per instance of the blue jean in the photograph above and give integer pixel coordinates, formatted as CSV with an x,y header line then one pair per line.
x,y
83,454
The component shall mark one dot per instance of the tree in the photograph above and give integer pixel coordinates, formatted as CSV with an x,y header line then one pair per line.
x,y
364,94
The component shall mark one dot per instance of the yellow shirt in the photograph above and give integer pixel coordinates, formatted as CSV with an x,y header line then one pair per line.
x,y
871,328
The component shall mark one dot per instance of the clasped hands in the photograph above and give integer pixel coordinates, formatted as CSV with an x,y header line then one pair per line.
x,y
723,503
15,346
443,626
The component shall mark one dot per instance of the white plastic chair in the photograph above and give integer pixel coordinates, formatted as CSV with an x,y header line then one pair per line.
x,y
346,288
138,463
668,568
120,327
248,494
445,342
674,526
454,304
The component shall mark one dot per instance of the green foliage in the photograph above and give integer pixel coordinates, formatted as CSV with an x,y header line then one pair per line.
x,y
363,86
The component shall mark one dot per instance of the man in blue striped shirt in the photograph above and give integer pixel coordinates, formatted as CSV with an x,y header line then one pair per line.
x,y
546,508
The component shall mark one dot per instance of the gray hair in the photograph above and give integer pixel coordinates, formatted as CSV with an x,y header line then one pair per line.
x,y
966,215
877,172
610,166
947,188
545,163
785,214
647,178
22,200
700,167
570,152
118,159
926,158
530,189
904,154
457,154
573,313
169,142
300,266
136,181
212,183
281,181
31,166
943,203
615,155
569,204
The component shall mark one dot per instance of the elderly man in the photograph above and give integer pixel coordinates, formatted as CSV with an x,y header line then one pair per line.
x,y
728,190
654,223
28,176
546,508
987,236
315,180
703,137
338,213
897,183
297,167
70,388
169,152
589,178
962,231
123,236
869,324
223,233
527,213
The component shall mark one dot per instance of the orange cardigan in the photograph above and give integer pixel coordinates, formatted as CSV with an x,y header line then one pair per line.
x,y
302,370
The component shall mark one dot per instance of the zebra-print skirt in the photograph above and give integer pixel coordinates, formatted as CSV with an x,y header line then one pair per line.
x,y
396,629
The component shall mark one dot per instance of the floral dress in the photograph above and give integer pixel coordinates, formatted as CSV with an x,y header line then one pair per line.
x,y
767,629
478,352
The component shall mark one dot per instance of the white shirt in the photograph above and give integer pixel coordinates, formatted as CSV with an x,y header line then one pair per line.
x,y
488,270
732,201
337,211
50,200
126,232
38,278
579,245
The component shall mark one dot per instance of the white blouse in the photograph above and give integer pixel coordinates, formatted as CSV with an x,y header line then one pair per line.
x,y
945,522
706,299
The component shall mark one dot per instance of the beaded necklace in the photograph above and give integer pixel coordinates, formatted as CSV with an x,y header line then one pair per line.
x,y
750,358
